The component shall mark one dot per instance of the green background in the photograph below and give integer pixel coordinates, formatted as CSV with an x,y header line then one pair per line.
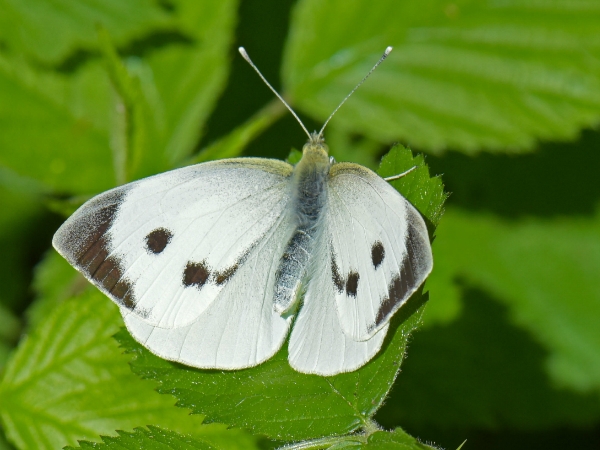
x,y
503,98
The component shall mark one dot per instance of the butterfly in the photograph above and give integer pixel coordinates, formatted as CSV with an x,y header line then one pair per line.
x,y
214,265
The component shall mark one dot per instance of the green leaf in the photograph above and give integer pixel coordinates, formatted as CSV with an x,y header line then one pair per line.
x,y
524,349
20,239
54,281
134,117
481,372
68,380
189,78
51,31
425,192
465,75
4,445
395,440
154,438
168,95
10,327
533,266
52,127
234,143
275,400
62,128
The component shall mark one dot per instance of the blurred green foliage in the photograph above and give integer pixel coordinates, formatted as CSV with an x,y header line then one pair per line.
x,y
501,96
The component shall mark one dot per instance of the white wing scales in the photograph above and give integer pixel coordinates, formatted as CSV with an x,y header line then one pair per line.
x,y
380,249
371,255
240,327
166,246
318,344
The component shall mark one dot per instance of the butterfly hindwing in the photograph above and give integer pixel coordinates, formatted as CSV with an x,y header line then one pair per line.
x,y
379,249
163,248
318,344
240,328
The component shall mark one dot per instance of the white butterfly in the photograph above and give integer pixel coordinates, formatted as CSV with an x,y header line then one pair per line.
x,y
208,263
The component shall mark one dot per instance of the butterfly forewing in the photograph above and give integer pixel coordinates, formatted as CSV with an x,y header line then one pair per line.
x,y
379,249
165,247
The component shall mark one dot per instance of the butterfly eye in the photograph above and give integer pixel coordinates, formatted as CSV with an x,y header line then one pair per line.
x,y
157,240
377,254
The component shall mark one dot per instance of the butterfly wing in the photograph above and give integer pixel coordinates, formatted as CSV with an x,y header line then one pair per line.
x,y
380,250
317,343
240,328
165,247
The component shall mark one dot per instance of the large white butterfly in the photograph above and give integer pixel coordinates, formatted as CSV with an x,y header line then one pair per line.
x,y
212,263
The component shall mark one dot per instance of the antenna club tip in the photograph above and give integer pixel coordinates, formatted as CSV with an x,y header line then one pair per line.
x,y
388,50
242,51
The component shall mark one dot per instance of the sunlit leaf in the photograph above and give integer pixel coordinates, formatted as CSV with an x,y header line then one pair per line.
x,y
395,440
546,272
68,380
52,127
154,438
51,31
465,75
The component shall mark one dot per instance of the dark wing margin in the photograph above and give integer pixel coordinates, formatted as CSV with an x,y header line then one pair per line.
x,y
82,240
412,273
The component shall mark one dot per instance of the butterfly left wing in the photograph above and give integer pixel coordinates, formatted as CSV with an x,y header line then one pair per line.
x,y
164,247
240,328
190,257
380,250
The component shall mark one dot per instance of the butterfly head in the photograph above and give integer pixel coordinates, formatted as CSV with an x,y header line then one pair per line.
x,y
315,149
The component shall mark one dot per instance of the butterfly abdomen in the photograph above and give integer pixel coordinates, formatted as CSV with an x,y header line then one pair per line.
x,y
309,193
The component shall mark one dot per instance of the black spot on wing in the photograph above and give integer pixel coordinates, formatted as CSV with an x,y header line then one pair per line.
x,y
377,254
335,275
223,276
348,285
157,240
196,274
88,249
402,283
352,284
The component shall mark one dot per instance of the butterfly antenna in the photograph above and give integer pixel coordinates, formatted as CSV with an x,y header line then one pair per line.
x,y
242,51
385,55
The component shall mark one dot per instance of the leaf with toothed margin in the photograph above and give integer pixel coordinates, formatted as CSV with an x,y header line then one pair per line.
x,y
154,438
68,380
394,440
281,403
425,192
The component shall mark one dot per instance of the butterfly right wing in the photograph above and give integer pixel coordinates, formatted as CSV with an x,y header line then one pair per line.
x,y
318,344
165,247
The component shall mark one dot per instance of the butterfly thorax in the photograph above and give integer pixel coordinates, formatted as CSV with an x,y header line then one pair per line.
x,y
309,190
